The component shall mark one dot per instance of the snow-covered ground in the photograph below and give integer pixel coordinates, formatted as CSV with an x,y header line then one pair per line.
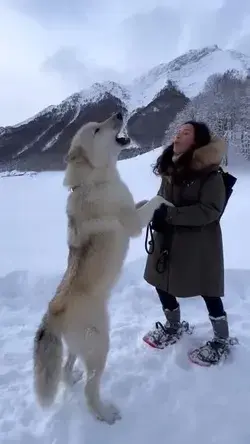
x,y
162,397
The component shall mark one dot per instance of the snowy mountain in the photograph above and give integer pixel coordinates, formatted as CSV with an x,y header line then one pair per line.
x,y
151,103
189,71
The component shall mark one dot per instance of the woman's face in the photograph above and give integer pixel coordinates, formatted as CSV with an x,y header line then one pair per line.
x,y
184,139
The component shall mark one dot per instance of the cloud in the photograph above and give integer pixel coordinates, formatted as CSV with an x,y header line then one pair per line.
x,y
73,71
23,87
51,49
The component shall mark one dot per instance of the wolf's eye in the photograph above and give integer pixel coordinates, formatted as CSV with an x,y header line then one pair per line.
x,y
97,130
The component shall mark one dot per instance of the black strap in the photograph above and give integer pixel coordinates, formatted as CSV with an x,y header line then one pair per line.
x,y
149,243
161,262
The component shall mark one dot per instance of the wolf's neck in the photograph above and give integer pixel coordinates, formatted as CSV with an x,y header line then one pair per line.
x,y
86,176
105,175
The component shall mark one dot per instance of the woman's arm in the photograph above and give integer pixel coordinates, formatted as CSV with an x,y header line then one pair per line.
x,y
207,210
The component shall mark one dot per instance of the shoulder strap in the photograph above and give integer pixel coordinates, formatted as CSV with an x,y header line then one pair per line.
x,y
229,181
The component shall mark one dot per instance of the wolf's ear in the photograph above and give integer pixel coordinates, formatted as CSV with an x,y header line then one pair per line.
x,y
75,153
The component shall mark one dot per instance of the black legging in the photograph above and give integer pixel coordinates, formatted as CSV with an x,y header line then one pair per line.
x,y
214,304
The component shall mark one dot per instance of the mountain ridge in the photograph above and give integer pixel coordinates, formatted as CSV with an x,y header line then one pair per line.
x,y
149,103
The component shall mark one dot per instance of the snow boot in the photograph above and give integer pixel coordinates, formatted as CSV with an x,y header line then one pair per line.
x,y
169,333
216,350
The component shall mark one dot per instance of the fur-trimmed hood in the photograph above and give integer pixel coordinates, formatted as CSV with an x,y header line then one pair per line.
x,y
193,163
209,155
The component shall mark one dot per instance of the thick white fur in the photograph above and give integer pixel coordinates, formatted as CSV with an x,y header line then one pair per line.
x,y
102,217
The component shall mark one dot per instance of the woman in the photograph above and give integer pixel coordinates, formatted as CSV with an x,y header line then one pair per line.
x,y
187,252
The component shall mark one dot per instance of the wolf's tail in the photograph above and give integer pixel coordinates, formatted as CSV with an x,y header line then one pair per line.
x,y
47,360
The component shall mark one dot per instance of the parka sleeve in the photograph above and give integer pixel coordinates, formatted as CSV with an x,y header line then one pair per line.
x,y
207,210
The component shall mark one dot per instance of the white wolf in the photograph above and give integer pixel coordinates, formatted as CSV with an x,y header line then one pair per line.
x,y
102,217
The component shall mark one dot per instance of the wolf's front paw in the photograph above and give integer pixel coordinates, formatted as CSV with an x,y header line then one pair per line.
x,y
160,200
141,203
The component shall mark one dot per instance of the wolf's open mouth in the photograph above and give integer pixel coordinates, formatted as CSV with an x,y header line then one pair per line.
x,y
123,141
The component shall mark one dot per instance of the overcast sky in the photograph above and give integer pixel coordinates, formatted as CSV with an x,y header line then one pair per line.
x,y
50,49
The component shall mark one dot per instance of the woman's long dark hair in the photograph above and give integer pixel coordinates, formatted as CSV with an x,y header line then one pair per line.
x,y
202,137
163,161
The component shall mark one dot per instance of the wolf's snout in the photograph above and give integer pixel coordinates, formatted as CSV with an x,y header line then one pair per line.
x,y
116,120
119,116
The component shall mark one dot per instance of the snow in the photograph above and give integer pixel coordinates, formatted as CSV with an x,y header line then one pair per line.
x,y
97,91
34,141
190,72
48,109
162,397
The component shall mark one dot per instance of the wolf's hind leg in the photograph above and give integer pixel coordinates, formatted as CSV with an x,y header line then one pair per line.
x,y
96,347
70,375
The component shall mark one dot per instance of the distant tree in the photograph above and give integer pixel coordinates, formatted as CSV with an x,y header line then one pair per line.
x,y
224,105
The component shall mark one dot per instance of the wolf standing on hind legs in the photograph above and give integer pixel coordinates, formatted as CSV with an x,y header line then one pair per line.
x,y
102,217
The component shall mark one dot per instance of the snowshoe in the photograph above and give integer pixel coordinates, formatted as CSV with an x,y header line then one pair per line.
x,y
212,353
164,335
